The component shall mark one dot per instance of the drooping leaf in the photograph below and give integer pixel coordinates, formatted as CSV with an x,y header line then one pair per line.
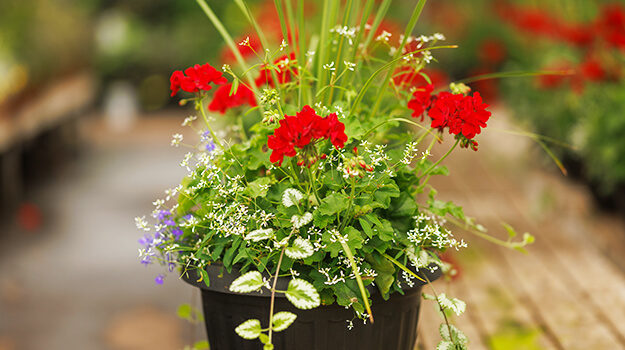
x,y
302,294
282,320
301,249
456,336
248,282
249,329
456,305
445,345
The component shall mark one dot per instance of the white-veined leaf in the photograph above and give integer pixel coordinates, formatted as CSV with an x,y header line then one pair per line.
x,y
445,345
456,337
301,249
248,282
249,329
302,294
259,235
282,320
456,305
291,197
300,221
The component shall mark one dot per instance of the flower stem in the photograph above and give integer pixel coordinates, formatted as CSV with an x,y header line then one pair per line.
x,y
439,161
208,125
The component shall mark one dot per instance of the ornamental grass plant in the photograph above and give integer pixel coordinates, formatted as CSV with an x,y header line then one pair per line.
x,y
321,176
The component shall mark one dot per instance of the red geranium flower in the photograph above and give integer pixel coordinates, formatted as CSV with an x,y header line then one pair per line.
x,y
284,75
222,100
471,117
195,79
304,129
421,100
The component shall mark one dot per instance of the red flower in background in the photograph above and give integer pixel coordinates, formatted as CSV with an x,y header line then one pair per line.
x,y
421,100
301,130
222,100
195,78
284,75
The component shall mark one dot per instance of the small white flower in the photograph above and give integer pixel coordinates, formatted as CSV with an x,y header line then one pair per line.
x,y
350,65
141,223
176,140
385,36
245,42
188,120
329,67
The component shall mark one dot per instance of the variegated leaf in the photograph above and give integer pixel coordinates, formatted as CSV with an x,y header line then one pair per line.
x,y
248,282
249,329
302,294
301,221
291,197
282,320
456,305
301,249
259,235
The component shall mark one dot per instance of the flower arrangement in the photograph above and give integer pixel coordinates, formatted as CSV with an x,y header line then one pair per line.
x,y
322,176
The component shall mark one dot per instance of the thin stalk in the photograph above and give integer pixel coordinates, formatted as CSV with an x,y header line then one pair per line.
x,y
208,125
339,52
411,24
228,39
273,290
439,161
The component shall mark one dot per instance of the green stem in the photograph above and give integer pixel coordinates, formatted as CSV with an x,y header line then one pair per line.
x,y
411,24
273,290
208,125
439,161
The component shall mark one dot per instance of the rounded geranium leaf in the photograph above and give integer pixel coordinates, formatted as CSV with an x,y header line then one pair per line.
x,y
249,329
302,294
248,282
282,320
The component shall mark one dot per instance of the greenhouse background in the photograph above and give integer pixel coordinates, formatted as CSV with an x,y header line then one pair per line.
x,y
86,120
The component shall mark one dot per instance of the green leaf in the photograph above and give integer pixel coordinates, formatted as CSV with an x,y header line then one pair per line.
x,y
456,305
264,338
259,235
249,329
301,221
301,249
366,227
291,197
332,204
385,192
353,128
445,345
456,336
258,187
185,311
385,230
282,320
302,294
248,282
386,273
201,345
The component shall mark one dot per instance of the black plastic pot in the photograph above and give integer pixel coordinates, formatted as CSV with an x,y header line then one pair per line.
x,y
325,327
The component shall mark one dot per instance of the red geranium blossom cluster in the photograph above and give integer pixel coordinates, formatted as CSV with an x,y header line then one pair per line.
x,y
303,129
462,115
222,100
195,79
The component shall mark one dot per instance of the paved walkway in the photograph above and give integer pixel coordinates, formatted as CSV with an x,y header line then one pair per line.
x,y
77,283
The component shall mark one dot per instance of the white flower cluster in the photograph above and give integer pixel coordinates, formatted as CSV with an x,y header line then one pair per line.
x,y
428,231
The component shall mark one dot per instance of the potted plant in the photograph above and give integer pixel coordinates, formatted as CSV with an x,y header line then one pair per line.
x,y
317,196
